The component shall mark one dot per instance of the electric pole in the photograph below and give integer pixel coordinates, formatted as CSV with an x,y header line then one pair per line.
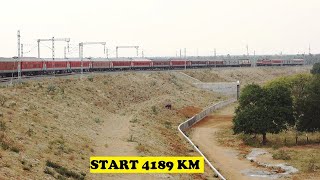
x,y
247,50
21,50
65,52
53,39
18,35
81,50
53,48
309,49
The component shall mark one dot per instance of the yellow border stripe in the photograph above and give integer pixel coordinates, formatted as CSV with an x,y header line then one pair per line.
x,y
159,164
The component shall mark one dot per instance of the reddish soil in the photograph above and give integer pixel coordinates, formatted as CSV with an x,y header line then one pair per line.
x,y
189,111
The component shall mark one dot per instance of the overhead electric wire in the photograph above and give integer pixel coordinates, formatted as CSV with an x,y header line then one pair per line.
x,y
45,45
26,52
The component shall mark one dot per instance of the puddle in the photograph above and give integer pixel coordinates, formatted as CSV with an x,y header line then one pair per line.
x,y
252,156
276,170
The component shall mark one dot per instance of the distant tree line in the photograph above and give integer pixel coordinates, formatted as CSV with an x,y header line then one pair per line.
x,y
288,102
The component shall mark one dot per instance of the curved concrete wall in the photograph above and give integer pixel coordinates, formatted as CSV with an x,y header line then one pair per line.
x,y
190,122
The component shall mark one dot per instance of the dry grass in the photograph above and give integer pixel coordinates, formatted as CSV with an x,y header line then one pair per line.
x,y
246,75
61,118
142,149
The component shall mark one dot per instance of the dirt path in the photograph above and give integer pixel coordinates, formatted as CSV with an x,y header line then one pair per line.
x,y
110,145
225,159
107,144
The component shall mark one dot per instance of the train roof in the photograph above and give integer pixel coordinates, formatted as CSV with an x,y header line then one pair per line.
x,y
15,59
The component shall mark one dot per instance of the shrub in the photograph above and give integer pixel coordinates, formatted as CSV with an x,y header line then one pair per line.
x,y
49,171
312,165
3,99
134,120
153,83
62,90
167,124
90,78
141,148
131,139
97,120
51,88
15,149
3,126
281,154
315,69
30,132
154,110
27,167
62,171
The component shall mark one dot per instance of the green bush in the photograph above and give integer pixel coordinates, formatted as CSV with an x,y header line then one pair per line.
x,y
90,78
3,126
315,69
154,110
51,88
3,99
63,171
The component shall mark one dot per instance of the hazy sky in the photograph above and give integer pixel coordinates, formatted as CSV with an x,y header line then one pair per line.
x,y
162,27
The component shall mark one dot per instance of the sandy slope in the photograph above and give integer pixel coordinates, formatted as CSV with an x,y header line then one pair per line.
x,y
68,120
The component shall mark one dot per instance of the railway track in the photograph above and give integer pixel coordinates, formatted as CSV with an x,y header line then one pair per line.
x,y
15,79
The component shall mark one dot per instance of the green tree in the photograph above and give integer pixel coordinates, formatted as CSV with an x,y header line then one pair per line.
x,y
297,85
315,69
308,107
263,110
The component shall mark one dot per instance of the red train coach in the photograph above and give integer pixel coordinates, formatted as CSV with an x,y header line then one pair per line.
x,y
264,63
125,64
180,63
75,64
31,65
277,62
161,64
57,65
216,63
8,65
100,65
141,63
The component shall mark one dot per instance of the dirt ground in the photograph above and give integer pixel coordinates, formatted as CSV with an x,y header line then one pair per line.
x,y
64,121
203,135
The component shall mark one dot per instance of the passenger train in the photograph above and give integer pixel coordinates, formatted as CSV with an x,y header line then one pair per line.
x,y
34,66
